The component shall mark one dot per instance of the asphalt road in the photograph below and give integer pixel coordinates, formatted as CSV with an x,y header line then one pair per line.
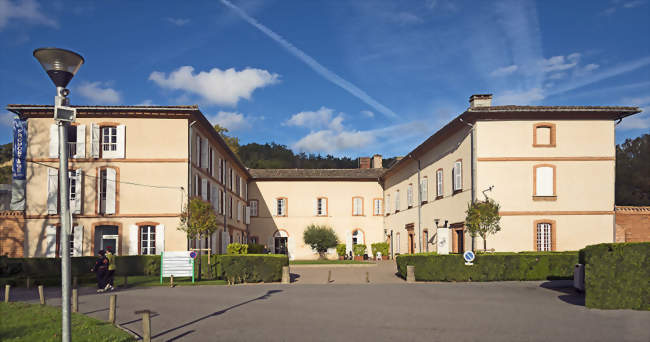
x,y
498,311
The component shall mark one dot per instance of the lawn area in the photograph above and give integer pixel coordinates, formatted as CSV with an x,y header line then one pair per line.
x,y
33,322
326,262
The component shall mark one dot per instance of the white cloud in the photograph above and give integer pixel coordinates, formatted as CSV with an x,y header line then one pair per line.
x,y
623,4
504,71
559,63
7,119
591,67
557,76
312,63
28,10
146,102
330,141
99,92
223,87
233,121
178,21
322,118
368,113
637,121
524,97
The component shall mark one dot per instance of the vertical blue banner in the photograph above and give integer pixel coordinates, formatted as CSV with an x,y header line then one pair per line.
x,y
20,149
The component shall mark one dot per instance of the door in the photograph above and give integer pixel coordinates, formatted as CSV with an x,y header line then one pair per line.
x,y
281,245
106,236
458,240
112,241
411,242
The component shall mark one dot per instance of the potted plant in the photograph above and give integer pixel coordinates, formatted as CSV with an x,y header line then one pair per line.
x,y
381,247
340,250
359,251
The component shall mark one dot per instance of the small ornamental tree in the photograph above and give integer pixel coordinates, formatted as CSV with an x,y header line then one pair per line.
x,y
483,219
198,220
320,238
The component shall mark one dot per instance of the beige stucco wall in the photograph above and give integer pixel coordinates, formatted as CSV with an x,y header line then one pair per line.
x,y
300,209
450,207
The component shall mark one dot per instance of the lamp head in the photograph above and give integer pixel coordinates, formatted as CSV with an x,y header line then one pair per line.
x,y
60,64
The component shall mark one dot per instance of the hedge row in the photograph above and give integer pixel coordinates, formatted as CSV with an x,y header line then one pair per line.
x,y
490,267
617,275
252,268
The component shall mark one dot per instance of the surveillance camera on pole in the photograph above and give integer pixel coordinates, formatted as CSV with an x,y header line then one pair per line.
x,y
61,65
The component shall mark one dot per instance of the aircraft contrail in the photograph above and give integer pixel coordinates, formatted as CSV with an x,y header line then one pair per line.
x,y
312,63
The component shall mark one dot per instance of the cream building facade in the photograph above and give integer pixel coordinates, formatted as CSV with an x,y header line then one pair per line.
x,y
132,170
551,169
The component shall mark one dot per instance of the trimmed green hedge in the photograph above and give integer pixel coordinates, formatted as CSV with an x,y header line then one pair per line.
x,y
490,267
380,247
253,268
617,275
254,248
237,248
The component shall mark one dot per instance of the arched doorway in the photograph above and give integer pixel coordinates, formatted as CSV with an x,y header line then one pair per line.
x,y
280,242
358,237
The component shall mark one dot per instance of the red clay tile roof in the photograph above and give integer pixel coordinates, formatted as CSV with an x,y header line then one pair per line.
x,y
283,174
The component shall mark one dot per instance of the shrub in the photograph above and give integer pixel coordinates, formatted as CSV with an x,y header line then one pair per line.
x,y
490,267
320,238
616,275
341,249
381,247
254,248
359,249
237,248
252,268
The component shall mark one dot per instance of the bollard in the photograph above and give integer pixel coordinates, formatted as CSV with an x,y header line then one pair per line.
x,y
286,277
126,280
7,287
41,295
75,301
410,274
75,281
111,309
171,281
329,276
367,277
29,282
146,325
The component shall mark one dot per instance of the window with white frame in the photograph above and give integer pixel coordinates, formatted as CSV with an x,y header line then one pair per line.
x,y
240,210
458,175
281,206
357,206
253,204
397,243
198,150
409,196
106,188
377,204
397,201
148,239
387,204
544,236
424,189
321,206
439,188
109,141
544,180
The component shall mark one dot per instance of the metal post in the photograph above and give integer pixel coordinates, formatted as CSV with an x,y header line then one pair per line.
x,y
7,288
64,189
41,296
75,300
111,308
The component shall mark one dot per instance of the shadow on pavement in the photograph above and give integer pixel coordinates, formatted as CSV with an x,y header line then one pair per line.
x,y
214,314
180,336
570,294
294,276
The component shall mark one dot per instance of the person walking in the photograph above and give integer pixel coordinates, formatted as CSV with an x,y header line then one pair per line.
x,y
111,269
100,268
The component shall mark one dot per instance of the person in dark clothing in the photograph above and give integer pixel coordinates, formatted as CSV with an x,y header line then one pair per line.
x,y
100,269
110,273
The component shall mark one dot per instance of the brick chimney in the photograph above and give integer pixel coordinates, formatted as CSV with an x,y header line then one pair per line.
x,y
364,162
377,161
480,100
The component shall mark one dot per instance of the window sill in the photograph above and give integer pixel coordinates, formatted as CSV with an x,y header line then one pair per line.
x,y
424,202
438,197
409,207
457,192
545,145
544,198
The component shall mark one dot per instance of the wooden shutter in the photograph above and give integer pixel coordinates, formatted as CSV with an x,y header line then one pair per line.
x,y
160,238
94,141
78,238
409,195
50,241
439,183
248,215
458,176
204,153
204,189
81,142
121,139
99,192
110,190
424,193
397,201
76,206
544,179
387,203
54,141
52,190
134,239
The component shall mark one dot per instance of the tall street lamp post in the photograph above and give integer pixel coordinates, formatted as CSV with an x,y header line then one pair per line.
x,y
61,65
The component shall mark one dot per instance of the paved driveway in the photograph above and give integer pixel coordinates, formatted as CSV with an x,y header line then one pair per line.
x,y
504,311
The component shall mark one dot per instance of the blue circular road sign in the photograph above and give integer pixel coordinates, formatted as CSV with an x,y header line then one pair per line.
x,y
469,256
192,254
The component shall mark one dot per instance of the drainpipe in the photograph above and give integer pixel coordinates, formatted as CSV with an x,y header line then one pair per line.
x,y
189,166
419,209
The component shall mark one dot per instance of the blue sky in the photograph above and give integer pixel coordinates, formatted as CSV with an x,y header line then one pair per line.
x,y
341,77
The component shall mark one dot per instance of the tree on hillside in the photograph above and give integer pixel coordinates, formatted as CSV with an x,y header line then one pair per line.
x,y
320,238
633,171
483,219
232,142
